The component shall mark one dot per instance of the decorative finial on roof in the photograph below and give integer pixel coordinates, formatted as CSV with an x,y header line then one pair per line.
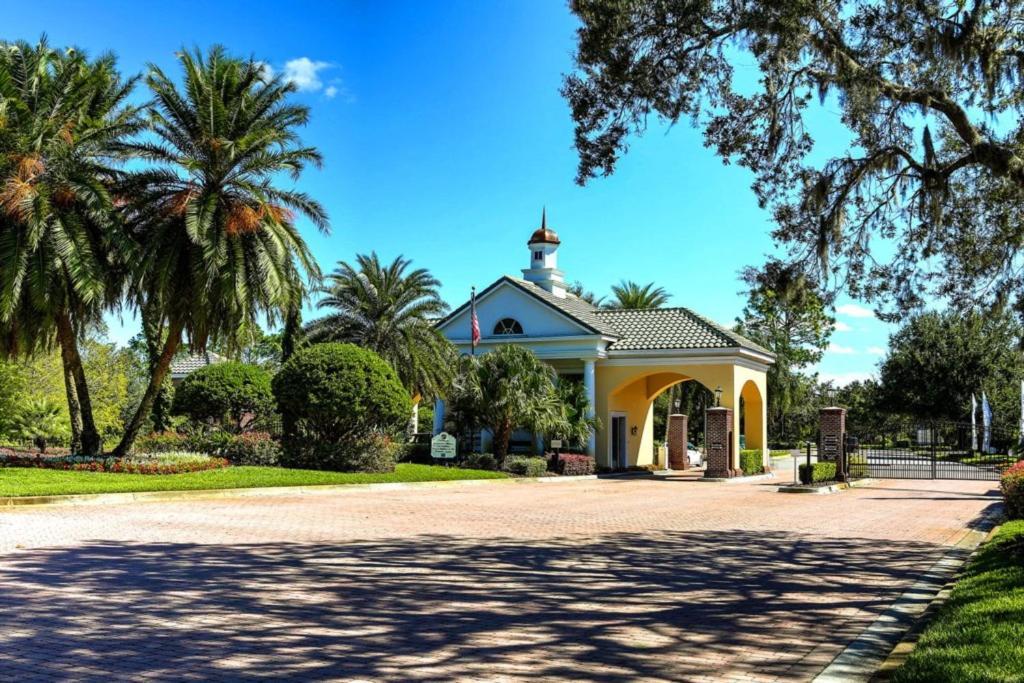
x,y
542,235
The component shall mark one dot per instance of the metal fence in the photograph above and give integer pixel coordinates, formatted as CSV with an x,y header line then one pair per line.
x,y
932,450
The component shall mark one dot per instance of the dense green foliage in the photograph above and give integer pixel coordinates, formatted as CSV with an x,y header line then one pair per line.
x,y
978,635
215,224
526,466
391,311
937,360
786,313
751,461
64,122
505,389
225,392
39,482
817,472
924,199
340,403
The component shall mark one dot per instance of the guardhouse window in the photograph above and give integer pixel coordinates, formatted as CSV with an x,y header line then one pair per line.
x,y
508,326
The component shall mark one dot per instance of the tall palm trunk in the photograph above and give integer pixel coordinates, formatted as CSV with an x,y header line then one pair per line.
x,y
501,434
156,381
152,330
90,436
74,409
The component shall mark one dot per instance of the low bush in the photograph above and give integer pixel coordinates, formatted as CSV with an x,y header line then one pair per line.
x,y
858,466
576,464
252,448
817,472
1012,486
340,403
778,453
224,391
417,453
480,461
526,466
162,442
751,461
140,463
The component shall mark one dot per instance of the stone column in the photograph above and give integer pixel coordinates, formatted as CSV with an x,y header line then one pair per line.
x,y
718,442
438,416
832,427
677,430
590,389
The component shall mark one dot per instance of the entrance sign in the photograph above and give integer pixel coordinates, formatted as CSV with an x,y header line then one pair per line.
x,y
442,446
556,443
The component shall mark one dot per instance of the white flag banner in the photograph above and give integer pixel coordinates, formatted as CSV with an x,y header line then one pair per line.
x,y
974,423
986,421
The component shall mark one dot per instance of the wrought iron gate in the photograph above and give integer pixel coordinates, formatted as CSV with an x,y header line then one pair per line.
x,y
935,450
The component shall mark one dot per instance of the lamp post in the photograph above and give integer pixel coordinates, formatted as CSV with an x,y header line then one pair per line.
x,y
718,396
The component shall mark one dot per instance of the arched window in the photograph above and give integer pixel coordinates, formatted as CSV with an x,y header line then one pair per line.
x,y
508,326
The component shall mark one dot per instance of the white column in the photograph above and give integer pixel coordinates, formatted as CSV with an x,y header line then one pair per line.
x,y
438,416
590,388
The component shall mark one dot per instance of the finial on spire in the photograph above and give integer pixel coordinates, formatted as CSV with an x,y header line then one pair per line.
x,y
544,218
543,235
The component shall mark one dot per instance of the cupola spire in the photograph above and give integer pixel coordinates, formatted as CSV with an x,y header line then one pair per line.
x,y
543,270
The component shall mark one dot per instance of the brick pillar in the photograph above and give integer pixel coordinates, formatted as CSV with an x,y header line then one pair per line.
x,y
832,427
677,431
718,443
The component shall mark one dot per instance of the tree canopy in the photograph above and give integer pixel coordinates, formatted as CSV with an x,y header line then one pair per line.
x,y
937,360
926,197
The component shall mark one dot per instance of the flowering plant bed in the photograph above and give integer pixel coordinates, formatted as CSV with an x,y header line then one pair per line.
x,y
156,463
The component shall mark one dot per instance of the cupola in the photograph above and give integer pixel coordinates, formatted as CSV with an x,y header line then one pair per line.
x,y
543,270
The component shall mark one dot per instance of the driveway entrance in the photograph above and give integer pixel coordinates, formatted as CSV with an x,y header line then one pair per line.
x,y
617,579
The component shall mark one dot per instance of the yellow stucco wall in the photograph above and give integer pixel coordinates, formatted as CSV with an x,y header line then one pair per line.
x,y
631,389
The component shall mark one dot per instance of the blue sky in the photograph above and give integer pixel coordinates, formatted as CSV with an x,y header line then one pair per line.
x,y
444,134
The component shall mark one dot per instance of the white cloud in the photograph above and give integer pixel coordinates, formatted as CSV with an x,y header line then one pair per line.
x,y
331,91
305,73
840,326
841,379
266,71
876,350
839,348
854,311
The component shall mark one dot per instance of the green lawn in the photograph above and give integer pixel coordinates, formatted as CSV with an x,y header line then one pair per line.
x,y
21,481
978,634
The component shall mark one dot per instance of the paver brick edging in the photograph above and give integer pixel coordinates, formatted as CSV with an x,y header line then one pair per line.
x,y
863,658
11,502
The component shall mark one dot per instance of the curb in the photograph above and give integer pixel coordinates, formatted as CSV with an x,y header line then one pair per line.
x,y
901,652
824,490
12,502
738,480
863,657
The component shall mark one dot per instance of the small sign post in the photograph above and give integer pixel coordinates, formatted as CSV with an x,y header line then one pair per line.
x,y
442,447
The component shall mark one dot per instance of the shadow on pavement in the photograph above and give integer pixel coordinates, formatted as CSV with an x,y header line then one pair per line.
x,y
662,605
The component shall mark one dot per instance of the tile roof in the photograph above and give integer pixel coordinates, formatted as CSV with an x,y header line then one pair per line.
x,y
652,329
191,363
649,329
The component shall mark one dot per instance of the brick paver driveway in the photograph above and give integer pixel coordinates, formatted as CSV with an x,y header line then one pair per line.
x,y
610,579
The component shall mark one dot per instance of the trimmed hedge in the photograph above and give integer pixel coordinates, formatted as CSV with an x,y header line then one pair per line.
x,y
253,448
158,463
224,390
1012,486
575,464
751,461
340,405
526,466
818,472
480,461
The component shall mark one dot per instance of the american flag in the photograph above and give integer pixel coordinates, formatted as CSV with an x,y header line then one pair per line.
x,y
474,321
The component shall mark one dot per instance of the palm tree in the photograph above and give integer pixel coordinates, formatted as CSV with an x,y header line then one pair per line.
x,y
632,295
513,388
389,310
63,127
218,242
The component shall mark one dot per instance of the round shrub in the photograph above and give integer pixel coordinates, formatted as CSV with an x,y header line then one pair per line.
x,y
339,403
252,448
526,466
224,391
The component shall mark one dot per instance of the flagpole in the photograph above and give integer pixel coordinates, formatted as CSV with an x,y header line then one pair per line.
x,y
472,321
